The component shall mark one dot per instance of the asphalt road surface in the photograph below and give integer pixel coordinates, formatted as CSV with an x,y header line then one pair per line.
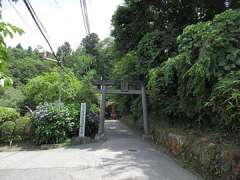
x,y
123,156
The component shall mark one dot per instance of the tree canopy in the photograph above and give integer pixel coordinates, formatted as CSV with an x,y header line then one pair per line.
x,y
136,18
6,30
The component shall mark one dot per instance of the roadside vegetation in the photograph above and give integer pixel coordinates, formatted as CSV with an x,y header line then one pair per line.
x,y
186,53
39,101
189,60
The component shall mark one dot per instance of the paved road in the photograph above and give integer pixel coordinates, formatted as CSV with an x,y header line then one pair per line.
x,y
123,156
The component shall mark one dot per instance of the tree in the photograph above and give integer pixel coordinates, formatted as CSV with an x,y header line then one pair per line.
x,y
45,88
29,50
130,23
125,67
5,31
19,46
153,49
89,44
24,65
136,18
65,49
84,65
200,85
107,56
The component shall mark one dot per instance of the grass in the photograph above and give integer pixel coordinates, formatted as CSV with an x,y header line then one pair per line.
x,y
30,146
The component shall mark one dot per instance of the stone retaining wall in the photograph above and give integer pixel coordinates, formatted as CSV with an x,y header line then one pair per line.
x,y
207,158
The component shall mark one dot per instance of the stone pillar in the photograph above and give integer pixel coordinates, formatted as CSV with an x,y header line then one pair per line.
x,y
102,111
145,113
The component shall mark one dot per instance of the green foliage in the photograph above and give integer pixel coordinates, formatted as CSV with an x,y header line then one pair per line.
x,y
25,65
8,114
25,69
1,91
23,126
12,98
91,124
107,56
6,30
99,55
153,49
94,58
65,50
12,126
89,44
125,67
7,132
224,102
135,18
84,65
203,70
45,88
51,125
130,23
136,109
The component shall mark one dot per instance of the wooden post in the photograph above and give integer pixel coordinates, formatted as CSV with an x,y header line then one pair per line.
x,y
145,113
102,111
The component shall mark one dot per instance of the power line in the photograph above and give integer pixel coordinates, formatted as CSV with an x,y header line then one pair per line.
x,y
58,60
85,16
36,20
20,15
61,11
35,14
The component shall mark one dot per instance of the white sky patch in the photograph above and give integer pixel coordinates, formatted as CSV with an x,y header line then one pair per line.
x,y
62,25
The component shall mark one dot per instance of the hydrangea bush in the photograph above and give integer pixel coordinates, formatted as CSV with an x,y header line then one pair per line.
x,y
51,123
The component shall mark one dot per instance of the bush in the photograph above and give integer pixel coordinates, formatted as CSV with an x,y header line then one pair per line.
x,y
22,69
125,67
8,114
224,104
45,88
1,91
23,125
91,125
12,98
204,74
51,125
7,132
155,48
136,109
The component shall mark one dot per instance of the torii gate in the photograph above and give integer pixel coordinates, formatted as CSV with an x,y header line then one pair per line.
x,y
124,90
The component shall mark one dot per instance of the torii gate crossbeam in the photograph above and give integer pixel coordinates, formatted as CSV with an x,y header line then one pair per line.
x,y
124,91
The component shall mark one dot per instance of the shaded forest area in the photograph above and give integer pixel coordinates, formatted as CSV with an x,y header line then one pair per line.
x,y
187,53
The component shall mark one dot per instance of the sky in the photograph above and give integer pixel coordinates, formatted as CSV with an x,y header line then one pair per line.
x,y
63,21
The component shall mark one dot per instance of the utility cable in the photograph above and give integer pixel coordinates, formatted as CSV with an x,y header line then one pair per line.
x,y
19,14
83,16
35,14
86,16
27,4
61,11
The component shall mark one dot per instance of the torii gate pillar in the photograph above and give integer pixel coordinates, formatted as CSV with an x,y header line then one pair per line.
x,y
124,90
145,112
102,110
